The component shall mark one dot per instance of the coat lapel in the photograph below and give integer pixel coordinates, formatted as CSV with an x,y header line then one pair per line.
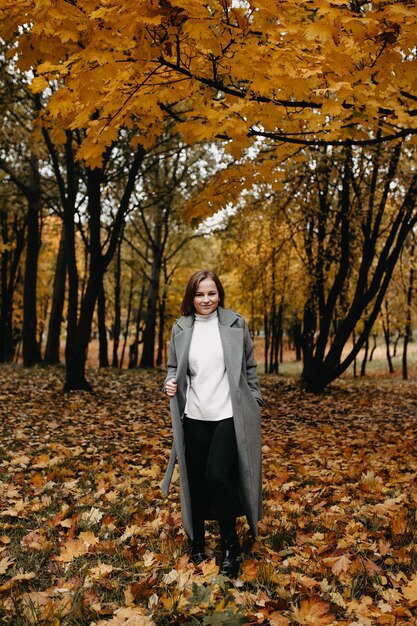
x,y
232,342
182,347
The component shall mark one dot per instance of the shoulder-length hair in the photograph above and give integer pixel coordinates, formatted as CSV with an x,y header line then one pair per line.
x,y
187,304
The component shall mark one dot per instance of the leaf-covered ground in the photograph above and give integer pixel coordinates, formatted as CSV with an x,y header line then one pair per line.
x,y
86,538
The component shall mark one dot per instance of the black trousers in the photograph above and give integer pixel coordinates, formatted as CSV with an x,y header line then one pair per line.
x,y
211,458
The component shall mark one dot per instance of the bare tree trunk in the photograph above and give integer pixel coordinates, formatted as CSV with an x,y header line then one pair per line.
x,y
387,336
161,325
395,344
297,341
355,369
267,339
117,314
128,315
408,323
102,329
52,352
31,349
9,272
374,347
365,358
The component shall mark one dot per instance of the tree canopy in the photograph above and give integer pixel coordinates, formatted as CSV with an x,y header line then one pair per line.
x,y
308,72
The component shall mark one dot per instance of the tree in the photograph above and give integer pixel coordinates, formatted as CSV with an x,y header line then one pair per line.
x,y
355,211
94,203
20,161
156,233
12,241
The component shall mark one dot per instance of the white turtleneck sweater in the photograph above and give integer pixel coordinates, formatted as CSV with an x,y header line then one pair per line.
x,y
208,396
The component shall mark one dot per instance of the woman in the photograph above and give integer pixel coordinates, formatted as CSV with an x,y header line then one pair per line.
x,y
215,398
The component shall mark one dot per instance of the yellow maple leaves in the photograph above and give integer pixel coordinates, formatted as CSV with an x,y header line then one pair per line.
x,y
322,66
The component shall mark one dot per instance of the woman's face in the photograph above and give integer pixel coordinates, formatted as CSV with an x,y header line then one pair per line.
x,y
206,298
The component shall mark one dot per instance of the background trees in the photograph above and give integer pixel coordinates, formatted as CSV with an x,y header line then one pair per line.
x,y
297,120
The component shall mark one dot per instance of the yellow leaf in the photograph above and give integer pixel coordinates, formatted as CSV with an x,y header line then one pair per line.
x,y
318,30
72,549
4,565
89,538
410,590
100,571
39,83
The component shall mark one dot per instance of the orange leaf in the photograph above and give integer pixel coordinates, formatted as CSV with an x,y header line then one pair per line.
x,y
338,563
313,612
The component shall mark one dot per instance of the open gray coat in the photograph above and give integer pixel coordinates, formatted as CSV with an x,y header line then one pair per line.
x,y
246,397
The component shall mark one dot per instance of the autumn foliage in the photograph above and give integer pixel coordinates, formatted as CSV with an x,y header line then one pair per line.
x,y
294,72
86,537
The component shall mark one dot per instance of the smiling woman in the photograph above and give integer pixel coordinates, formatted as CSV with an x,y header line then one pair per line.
x,y
215,398
206,298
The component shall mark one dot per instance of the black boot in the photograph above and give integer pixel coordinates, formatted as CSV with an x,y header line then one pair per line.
x,y
197,554
230,557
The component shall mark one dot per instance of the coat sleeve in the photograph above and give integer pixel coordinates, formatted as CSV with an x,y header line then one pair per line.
x,y
172,359
250,365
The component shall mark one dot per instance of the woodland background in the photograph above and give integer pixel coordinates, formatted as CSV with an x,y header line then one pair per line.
x,y
274,142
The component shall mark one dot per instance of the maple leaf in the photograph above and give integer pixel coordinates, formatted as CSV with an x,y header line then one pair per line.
x,y
410,590
100,571
128,616
91,517
36,541
71,550
313,612
318,30
89,538
5,563
338,564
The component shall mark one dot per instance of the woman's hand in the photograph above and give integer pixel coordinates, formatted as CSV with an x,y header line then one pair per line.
x,y
171,387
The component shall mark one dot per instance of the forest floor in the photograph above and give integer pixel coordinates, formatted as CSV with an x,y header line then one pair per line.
x,y
86,537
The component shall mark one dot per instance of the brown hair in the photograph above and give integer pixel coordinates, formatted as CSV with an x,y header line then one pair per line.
x,y
187,304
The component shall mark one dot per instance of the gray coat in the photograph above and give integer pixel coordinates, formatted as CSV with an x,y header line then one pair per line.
x,y
246,397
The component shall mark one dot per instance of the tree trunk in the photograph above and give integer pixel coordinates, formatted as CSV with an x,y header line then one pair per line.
x,y
395,344
79,334
297,341
117,314
161,326
365,358
408,323
31,350
387,336
355,368
9,273
280,336
148,358
134,347
374,347
129,312
307,342
52,351
102,329
267,339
